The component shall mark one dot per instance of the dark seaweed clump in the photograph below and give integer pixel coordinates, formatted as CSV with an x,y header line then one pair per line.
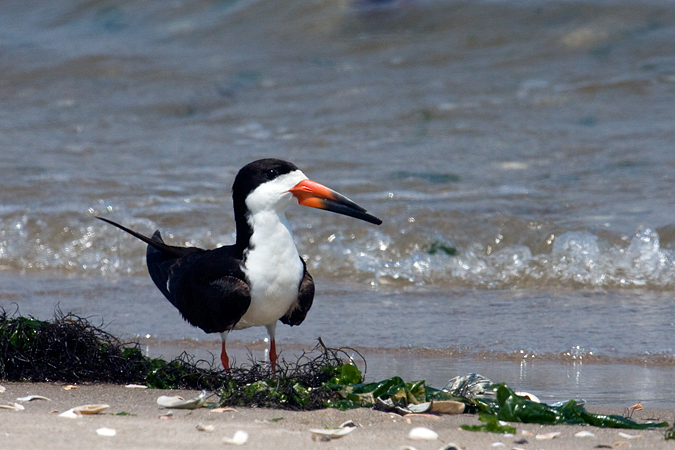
x,y
73,350
311,382
67,349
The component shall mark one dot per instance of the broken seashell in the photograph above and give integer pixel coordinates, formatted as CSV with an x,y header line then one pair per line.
x,y
420,408
630,436
498,444
70,387
422,433
13,407
438,407
167,416
622,444
206,428
70,414
584,434
526,433
239,438
2,389
30,398
447,407
546,436
136,386
222,410
348,424
181,403
422,415
327,434
106,432
528,396
90,409
636,406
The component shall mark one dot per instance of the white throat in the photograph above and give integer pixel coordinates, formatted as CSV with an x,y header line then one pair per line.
x,y
271,263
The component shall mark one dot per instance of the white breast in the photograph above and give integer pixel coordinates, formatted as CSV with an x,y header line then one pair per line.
x,y
273,268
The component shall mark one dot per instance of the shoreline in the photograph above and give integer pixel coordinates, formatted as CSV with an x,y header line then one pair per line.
x,y
138,423
617,384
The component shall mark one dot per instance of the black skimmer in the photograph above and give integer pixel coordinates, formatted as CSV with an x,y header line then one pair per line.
x,y
261,278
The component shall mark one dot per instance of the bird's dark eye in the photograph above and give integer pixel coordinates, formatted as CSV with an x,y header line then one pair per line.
x,y
272,174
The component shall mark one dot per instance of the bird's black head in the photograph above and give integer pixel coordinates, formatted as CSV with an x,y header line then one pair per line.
x,y
256,173
271,184
249,178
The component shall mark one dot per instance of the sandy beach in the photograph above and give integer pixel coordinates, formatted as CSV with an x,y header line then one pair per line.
x,y
140,423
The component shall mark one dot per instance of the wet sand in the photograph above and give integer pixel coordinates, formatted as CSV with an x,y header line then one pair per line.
x,y
136,418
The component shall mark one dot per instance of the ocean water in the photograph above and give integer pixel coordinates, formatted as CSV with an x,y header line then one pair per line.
x,y
520,154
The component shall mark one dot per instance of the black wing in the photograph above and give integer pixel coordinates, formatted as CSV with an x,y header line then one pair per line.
x,y
207,286
209,289
299,310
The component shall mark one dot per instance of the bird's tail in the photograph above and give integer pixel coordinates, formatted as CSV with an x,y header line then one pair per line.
x,y
156,243
159,257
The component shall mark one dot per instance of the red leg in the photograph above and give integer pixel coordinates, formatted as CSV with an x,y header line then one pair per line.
x,y
273,355
224,359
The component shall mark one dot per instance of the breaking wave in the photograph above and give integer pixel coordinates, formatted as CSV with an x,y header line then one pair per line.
x,y
575,259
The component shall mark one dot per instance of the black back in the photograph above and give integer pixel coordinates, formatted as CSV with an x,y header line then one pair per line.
x,y
207,286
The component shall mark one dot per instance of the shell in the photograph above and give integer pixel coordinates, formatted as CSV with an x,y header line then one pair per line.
x,y
30,398
136,386
630,436
326,434
222,410
239,438
2,389
421,433
447,407
70,414
106,432
528,396
90,409
181,403
546,436
438,407
206,428
584,434
13,407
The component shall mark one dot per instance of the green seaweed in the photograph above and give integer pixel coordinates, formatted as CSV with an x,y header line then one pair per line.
x,y
491,424
510,407
310,383
670,433
73,350
437,247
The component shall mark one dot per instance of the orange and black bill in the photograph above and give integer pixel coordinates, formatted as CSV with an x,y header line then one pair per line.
x,y
315,195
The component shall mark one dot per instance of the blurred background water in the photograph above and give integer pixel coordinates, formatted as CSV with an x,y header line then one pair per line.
x,y
520,154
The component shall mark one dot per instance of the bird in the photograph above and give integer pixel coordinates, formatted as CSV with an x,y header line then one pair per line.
x,y
261,278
